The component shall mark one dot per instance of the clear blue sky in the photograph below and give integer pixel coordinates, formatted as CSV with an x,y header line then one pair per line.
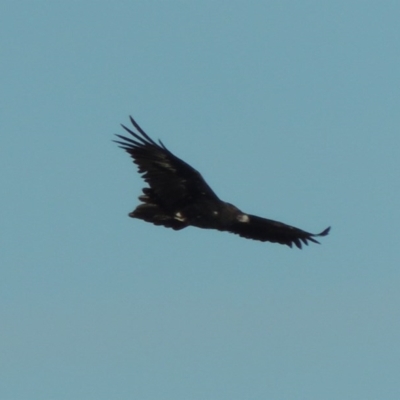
x,y
290,110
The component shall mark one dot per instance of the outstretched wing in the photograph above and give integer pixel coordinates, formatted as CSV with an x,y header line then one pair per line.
x,y
171,179
267,230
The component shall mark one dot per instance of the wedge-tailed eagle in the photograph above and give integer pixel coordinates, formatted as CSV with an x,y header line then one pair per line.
x,y
178,197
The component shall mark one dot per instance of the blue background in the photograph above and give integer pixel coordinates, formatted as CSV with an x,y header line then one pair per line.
x,y
290,110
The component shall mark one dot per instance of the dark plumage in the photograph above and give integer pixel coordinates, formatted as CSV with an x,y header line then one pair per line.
x,y
178,197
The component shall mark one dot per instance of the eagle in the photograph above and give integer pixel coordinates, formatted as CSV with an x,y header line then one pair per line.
x,y
177,196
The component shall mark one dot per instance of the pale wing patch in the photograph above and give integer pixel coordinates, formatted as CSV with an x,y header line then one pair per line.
x,y
243,218
179,216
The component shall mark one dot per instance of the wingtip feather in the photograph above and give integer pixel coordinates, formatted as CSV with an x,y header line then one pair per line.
x,y
324,232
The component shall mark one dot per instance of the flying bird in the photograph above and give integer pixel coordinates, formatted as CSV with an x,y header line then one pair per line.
x,y
177,196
